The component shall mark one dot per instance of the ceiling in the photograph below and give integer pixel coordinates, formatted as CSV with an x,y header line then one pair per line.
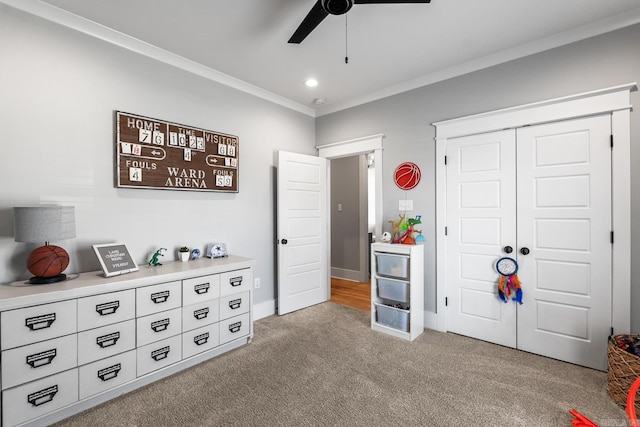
x,y
391,48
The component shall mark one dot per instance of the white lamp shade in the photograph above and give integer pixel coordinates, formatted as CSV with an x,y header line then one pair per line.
x,y
44,223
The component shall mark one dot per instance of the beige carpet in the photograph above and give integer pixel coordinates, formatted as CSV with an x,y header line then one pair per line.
x,y
324,366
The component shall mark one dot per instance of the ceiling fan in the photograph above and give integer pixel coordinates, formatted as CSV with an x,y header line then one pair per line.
x,y
323,8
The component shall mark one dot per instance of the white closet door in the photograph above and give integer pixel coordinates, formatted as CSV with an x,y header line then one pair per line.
x,y
564,219
481,220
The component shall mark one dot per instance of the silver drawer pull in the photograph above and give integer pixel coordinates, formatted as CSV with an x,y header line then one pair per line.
x,y
107,308
201,339
108,340
41,359
201,288
43,396
111,372
235,327
160,353
201,313
160,325
235,281
236,303
40,322
160,297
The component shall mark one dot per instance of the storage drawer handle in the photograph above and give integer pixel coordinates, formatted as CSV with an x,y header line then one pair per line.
x,y
40,322
235,281
160,297
236,303
41,359
201,339
160,325
201,288
107,308
109,373
108,340
43,396
235,327
201,313
160,353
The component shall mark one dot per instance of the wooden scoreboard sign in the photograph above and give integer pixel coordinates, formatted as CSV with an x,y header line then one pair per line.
x,y
153,153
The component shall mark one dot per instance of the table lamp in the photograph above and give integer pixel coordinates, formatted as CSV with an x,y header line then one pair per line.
x,y
44,224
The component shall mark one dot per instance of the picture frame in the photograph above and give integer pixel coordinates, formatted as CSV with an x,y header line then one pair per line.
x,y
115,259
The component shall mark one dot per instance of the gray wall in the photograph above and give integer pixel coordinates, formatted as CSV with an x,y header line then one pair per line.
x,y
345,225
607,60
58,92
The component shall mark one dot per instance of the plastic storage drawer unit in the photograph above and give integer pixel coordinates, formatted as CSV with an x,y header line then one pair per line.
x,y
394,290
392,317
392,265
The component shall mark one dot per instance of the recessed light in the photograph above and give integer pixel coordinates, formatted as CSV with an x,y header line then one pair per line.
x,y
311,83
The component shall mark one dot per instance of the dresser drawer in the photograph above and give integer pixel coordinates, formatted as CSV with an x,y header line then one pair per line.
x,y
234,305
37,323
152,299
31,362
159,354
200,289
106,309
106,341
40,397
198,315
199,340
234,328
233,282
159,326
104,374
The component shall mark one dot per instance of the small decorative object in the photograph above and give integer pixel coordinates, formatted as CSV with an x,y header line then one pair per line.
x,y
407,175
509,284
195,254
216,250
386,237
154,259
42,224
404,230
114,259
184,253
395,227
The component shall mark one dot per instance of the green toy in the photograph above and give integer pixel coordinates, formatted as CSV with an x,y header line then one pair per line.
x,y
154,259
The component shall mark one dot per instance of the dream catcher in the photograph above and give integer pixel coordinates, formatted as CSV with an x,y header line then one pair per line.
x,y
509,284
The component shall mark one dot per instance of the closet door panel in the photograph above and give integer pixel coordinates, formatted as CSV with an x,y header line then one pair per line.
x,y
481,219
564,219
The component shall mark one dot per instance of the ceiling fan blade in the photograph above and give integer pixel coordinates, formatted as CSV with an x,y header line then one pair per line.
x,y
389,1
309,23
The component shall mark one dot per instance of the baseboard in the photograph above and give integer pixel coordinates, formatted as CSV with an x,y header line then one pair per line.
x,y
264,309
342,273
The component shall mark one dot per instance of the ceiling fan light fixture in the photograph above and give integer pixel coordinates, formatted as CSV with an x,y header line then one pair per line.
x,y
337,7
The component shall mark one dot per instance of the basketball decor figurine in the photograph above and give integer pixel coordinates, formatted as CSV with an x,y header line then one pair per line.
x,y
407,175
47,263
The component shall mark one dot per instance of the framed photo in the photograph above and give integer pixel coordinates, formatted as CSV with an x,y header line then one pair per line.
x,y
216,250
115,259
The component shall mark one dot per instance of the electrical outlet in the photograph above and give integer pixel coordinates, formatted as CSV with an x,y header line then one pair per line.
x,y
256,283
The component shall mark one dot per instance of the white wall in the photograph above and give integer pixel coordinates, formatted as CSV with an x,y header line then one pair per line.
x,y
604,61
58,92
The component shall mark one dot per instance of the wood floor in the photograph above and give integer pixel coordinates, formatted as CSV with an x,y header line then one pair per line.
x,y
351,294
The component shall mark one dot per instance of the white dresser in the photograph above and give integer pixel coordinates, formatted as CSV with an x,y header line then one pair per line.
x,y
72,345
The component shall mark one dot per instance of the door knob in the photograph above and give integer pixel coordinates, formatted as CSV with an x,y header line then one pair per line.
x,y
524,251
508,249
283,241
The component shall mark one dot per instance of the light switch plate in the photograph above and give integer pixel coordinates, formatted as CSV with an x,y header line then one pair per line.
x,y
405,205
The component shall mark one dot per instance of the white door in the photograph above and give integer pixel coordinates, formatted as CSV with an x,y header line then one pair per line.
x,y
303,274
481,212
564,219
563,223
